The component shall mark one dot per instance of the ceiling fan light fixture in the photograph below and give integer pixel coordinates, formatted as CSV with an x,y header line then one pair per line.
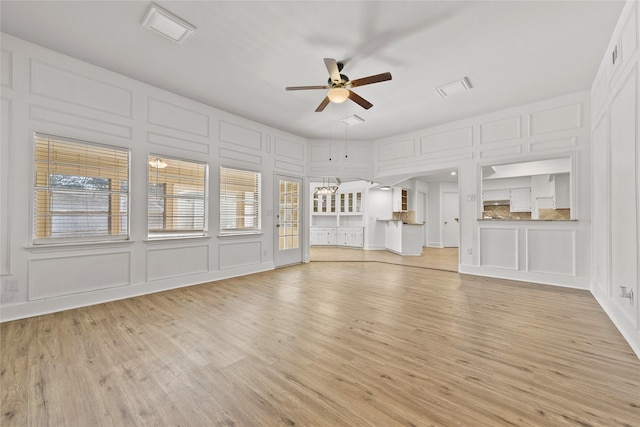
x,y
338,95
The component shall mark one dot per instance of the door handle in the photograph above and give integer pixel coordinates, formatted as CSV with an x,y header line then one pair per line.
x,y
445,223
456,219
278,225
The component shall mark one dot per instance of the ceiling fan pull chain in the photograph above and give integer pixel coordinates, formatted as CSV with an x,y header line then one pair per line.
x,y
346,141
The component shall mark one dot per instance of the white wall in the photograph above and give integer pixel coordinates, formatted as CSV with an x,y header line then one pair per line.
x,y
616,174
378,207
544,252
45,91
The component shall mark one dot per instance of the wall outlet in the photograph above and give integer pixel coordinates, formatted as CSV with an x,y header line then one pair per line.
x,y
11,285
469,251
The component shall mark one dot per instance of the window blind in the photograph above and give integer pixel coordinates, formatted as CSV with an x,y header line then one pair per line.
x,y
81,190
177,197
239,201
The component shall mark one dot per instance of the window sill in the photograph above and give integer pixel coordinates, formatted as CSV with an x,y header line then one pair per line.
x,y
52,247
240,234
167,239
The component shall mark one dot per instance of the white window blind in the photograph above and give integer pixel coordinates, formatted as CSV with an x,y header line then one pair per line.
x,y
177,197
239,201
81,190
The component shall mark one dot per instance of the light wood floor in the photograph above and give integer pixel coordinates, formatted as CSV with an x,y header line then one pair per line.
x,y
439,259
325,344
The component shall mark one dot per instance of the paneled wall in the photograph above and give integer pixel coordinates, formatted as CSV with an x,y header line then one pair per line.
x,y
546,252
48,92
340,158
616,177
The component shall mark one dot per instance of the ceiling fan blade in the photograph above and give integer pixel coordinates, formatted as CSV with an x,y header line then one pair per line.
x,y
323,104
360,100
332,67
305,87
371,79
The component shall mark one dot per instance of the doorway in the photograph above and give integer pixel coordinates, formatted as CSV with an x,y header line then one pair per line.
x,y
287,229
450,220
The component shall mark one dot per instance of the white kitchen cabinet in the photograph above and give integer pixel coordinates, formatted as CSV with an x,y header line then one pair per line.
x,y
562,191
493,195
400,200
323,236
324,203
520,200
351,236
341,236
350,202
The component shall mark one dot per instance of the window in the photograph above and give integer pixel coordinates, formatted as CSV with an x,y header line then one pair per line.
x,y
81,191
239,201
177,197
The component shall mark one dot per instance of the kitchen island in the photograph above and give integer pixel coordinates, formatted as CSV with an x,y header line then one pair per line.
x,y
403,238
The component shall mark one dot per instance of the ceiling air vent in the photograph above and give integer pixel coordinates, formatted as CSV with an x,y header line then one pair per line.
x,y
452,88
168,25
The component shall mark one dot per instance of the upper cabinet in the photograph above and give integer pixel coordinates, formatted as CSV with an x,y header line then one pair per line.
x,y
349,202
520,200
400,199
495,195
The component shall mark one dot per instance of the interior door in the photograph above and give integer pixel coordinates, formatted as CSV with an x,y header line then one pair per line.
x,y
451,220
288,241
420,212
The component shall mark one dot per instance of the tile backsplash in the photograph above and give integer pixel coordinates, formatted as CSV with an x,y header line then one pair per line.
x,y
503,212
556,214
408,217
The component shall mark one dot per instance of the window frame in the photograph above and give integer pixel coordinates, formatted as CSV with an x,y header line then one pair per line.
x,y
38,241
177,234
244,230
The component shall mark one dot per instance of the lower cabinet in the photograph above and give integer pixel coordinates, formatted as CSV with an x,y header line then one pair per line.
x,y
337,236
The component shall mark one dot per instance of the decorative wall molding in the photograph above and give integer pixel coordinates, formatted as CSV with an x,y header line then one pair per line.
x,y
241,156
290,149
161,262
240,136
499,247
69,86
73,274
555,119
447,140
551,251
77,121
173,142
240,254
167,115
509,128
6,72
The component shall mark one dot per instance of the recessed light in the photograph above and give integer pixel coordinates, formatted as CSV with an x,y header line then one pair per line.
x,y
352,120
452,88
385,188
454,173
168,25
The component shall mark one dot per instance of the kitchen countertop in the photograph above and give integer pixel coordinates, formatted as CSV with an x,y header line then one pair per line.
x,y
527,220
399,220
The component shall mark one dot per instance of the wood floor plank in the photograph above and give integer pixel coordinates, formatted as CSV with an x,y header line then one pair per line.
x,y
327,344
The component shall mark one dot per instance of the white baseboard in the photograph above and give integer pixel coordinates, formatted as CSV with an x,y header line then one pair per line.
x,y
628,331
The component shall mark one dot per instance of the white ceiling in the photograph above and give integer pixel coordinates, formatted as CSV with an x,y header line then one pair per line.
x,y
245,53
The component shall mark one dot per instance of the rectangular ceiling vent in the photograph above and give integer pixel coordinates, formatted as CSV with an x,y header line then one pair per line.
x,y
352,120
168,25
455,87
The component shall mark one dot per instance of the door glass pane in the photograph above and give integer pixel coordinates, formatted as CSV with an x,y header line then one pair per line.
x,y
289,218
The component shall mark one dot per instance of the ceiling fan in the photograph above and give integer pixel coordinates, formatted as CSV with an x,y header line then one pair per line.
x,y
339,86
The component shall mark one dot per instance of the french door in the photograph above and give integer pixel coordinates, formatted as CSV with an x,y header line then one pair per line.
x,y
288,230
